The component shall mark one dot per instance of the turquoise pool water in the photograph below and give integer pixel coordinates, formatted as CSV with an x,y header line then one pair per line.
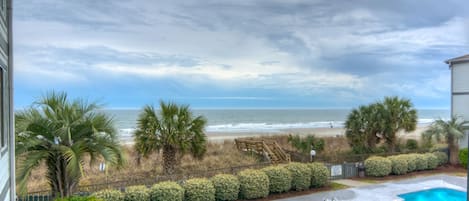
x,y
435,194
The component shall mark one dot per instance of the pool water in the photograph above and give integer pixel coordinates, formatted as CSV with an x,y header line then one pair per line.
x,y
435,194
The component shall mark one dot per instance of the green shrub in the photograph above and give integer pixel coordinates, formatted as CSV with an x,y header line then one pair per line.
x,y
279,179
420,162
226,187
253,184
378,166
411,144
319,174
137,193
411,163
109,195
303,144
78,198
301,176
166,191
432,161
399,165
199,190
463,157
442,157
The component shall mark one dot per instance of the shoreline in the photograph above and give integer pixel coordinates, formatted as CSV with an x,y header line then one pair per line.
x,y
318,132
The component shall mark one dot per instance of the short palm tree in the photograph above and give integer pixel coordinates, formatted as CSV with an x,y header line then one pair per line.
x,y
60,133
174,130
398,114
363,125
451,131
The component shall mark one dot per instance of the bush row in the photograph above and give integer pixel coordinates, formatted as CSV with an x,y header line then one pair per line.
x,y
248,184
402,164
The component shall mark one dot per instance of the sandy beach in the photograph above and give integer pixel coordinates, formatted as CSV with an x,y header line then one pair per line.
x,y
319,132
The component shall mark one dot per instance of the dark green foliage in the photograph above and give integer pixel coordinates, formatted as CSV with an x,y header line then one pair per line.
x,y
301,176
384,119
411,144
77,198
319,174
362,126
109,195
451,132
137,193
166,191
463,157
174,130
226,187
279,179
253,184
378,166
305,144
199,190
442,157
60,133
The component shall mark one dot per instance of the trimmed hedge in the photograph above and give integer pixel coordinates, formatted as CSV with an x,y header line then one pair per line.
x,y
199,190
301,176
166,191
463,157
253,184
109,195
420,162
319,174
226,187
279,179
78,198
411,164
442,157
137,193
432,161
399,165
378,166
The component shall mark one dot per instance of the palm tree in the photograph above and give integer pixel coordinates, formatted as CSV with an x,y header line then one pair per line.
x,y
363,125
174,130
60,133
399,114
451,131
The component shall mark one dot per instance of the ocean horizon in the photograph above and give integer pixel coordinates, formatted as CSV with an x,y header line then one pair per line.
x,y
262,120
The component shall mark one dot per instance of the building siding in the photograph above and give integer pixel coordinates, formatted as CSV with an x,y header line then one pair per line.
x,y
460,94
7,181
461,78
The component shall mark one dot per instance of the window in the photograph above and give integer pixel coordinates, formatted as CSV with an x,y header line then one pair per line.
x,y
3,131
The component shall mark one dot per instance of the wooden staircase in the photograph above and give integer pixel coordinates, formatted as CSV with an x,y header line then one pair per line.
x,y
271,150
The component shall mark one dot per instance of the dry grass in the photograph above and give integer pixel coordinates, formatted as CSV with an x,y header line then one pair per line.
x,y
219,155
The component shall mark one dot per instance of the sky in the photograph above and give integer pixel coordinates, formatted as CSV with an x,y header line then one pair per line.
x,y
238,54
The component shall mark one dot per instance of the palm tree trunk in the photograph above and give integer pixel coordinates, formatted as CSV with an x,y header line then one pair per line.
x,y
453,153
169,159
61,183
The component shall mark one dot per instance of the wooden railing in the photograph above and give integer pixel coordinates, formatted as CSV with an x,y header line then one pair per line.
x,y
269,149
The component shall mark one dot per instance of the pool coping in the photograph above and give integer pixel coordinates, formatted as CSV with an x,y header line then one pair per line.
x,y
388,190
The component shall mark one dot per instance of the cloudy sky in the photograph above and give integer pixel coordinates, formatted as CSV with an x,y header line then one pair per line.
x,y
239,54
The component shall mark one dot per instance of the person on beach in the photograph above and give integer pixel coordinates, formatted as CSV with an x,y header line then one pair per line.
x,y
313,153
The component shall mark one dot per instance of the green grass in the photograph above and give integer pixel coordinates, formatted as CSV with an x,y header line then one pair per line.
x,y
337,186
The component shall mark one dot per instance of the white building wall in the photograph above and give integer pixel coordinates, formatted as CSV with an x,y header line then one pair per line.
x,y
5,175
460,95
460,77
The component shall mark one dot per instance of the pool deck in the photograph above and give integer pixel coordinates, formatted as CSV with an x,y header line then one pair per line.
x,y
387,191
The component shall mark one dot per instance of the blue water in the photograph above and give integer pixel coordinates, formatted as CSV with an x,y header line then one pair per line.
x,y
435,194
262,120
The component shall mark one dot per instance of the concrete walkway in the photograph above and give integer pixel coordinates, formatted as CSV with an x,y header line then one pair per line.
x,y
387,191
351,183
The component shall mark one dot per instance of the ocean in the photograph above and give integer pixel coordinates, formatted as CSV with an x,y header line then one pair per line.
x,y
262,120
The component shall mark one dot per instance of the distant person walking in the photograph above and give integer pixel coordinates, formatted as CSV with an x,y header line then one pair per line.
x,y
313,154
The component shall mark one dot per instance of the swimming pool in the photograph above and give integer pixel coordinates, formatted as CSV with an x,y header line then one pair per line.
x,y
435,194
